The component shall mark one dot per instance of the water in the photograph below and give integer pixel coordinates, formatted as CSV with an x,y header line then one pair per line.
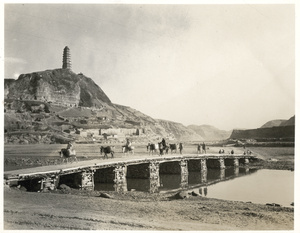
x,y
236,184
263,186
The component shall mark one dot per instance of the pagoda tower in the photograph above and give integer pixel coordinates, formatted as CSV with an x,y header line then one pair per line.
x,y
66,58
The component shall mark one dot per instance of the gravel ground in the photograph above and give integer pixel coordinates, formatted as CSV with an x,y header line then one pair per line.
x,y
86,210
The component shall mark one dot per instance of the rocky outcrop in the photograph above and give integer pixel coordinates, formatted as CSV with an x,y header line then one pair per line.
x,y
58,86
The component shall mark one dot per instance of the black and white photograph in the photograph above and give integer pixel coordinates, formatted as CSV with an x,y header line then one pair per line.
x,y
150,116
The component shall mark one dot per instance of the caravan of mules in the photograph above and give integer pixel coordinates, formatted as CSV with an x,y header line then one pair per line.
x,y
159,148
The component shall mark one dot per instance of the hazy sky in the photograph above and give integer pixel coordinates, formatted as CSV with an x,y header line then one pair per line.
x,y
230,66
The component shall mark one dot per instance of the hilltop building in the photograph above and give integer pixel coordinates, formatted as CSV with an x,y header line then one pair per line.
x,y
66,58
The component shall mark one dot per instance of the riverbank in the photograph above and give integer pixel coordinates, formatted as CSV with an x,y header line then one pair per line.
x,y
86,210
71,209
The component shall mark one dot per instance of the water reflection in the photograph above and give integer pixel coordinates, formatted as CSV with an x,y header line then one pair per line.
x,y
202,191
235,183
262,186
169,182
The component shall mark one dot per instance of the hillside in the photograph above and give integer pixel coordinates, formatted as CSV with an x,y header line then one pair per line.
x,y
67,106
273,123
290,122
274,130
180,131
210,133
58,86
285,133
55,106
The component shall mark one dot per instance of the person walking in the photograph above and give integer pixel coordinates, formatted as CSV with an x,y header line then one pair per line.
x,y
204,147
180,147
199,148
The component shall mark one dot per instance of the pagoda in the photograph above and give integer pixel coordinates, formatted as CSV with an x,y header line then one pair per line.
x,y
66,58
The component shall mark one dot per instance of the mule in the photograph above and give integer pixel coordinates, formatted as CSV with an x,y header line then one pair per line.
x,y
163,148
126,149
107,150
152,148
65,154
173,147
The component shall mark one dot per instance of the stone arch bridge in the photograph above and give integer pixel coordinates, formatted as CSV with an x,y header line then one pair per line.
x,y
84,174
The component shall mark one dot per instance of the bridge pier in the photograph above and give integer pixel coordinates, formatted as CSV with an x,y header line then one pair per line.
x,y
203,176
246,161
222,174
184,174
50,183
87,179
222,163
120,182
236,170
203,164
154,177
236,162
247,170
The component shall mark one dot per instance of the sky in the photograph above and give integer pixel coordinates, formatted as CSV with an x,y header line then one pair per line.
x,y
230,66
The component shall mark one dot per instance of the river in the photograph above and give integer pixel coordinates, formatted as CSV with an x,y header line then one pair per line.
x,y
237,184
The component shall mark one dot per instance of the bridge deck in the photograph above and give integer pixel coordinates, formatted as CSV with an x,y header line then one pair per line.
x,y
103,163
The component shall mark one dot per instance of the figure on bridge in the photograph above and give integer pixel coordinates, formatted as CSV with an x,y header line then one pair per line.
x,y
70,148
163,142
204,147
199,148
128,143
128,147
180,147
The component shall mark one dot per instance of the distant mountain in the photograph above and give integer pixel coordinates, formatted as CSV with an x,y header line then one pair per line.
x,y
290,121
272,123
210,133
180,131
275,129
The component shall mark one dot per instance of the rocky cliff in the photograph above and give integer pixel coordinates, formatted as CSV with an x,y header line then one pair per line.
x,y
58,86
